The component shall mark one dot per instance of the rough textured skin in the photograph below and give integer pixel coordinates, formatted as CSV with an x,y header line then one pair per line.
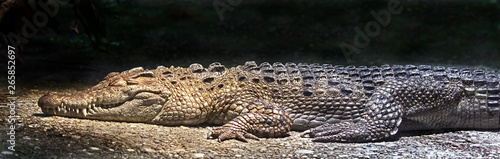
x,y
332,103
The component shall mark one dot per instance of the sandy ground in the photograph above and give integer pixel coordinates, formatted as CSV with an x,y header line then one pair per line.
x,y
39,136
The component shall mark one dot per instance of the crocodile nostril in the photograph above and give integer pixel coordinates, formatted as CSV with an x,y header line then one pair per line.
x,y
49,100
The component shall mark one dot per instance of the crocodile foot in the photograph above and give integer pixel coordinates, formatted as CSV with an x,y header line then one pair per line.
x,y
340,132
225,133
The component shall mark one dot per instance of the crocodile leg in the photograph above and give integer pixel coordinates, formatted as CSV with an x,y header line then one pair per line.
x,y
386,109
264,119
381,120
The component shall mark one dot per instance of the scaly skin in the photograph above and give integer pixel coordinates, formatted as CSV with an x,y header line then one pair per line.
x,y
332,103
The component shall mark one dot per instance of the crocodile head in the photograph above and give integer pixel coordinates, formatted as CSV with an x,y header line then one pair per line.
x,y
136,95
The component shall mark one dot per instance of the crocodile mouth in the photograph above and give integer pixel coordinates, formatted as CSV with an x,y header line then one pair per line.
x,y
91,109
138,107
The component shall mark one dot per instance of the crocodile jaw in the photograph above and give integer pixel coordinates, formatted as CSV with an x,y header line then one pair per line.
x,y
129,106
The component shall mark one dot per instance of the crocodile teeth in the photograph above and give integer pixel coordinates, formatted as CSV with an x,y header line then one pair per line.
x,y
92,111
84,111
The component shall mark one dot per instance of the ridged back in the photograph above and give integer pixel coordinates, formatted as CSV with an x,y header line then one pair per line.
x,y
484,82
309,91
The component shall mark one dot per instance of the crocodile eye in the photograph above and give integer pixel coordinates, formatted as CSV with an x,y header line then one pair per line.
x,y
118,82
148,74
140,77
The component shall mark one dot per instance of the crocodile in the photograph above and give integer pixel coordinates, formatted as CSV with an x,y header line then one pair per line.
x,y
328,103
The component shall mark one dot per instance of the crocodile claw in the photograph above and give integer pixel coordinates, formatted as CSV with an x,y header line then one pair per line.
x,y
225,133
340,132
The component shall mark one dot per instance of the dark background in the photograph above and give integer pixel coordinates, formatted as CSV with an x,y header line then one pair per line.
x,y
180,32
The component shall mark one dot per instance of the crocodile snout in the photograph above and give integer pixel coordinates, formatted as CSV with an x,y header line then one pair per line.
x,y
50,100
